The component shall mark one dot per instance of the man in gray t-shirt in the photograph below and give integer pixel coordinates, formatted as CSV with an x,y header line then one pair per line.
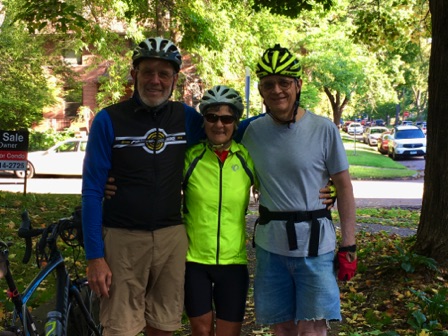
x,y
295,152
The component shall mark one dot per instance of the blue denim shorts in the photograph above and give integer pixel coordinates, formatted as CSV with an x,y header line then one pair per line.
x,y
295,289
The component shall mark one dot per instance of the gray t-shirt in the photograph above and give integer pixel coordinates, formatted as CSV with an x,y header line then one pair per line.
x,y
292,163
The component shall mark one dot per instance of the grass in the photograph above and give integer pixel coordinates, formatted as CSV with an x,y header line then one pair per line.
x,y
43,210
384,298
392,284
396,217
367,163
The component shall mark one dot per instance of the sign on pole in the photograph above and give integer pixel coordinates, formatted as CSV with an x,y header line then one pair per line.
x,y
13,150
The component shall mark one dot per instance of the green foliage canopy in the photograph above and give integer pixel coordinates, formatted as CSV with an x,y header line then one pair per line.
x,y
221,45
24,86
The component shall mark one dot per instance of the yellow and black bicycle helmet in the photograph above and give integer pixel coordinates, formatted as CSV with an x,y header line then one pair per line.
x,y
278,61
157,47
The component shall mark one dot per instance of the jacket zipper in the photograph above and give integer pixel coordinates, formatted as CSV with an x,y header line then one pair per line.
x,y
219,211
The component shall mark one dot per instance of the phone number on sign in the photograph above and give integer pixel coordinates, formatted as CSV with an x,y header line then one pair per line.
x,y
13,165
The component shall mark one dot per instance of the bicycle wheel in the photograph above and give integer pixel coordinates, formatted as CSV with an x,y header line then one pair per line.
x,y
94,308
14,327
76,320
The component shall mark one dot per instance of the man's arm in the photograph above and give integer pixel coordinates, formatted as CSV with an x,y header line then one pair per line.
x,y
97,164
346,207
193,126
346,259
96,167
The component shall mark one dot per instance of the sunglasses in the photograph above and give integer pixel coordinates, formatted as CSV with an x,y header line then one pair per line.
x,y
213,118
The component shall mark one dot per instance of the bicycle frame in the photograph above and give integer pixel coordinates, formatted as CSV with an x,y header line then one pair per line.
x,y
63,283
20,308
66,289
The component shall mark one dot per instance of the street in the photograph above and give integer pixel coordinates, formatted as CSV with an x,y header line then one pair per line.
x,y
415,163
41,185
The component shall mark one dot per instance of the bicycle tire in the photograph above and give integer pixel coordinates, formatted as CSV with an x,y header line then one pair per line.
x,y
94,308
16,328
76,322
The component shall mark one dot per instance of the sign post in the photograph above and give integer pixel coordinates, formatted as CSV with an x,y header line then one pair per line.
x,y
14,152
247,90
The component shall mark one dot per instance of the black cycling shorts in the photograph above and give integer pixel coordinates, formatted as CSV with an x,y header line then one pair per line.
x,y
223,287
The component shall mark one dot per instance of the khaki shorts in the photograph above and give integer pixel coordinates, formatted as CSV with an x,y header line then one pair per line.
x,y
148,272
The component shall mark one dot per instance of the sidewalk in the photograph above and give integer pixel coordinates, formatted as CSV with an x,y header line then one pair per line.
x,y
367,193
388,193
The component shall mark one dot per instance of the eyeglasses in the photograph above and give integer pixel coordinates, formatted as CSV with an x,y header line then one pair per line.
x,y
269,85
213,118
164,76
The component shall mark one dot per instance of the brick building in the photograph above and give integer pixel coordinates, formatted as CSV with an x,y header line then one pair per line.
x,y
65,113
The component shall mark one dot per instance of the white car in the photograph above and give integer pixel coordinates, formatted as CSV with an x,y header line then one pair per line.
x,y
422,125
64,158
407,141
355,128
371,134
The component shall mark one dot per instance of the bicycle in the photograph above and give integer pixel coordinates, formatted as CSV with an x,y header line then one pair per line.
x,y
76,306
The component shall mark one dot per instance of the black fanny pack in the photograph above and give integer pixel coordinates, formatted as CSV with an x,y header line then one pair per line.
x,y
294,217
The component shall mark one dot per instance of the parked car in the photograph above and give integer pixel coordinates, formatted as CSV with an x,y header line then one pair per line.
x,y
371,134
383,142
406,123
407,141
64,158
378,122
422,125
345,125
355,128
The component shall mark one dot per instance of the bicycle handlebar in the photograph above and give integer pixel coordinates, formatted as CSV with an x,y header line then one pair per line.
x,y
26,232
63,227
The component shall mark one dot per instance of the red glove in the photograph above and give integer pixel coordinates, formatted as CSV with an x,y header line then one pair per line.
x,y
346,262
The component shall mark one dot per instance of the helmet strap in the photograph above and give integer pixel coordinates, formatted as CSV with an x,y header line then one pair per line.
x,y
293,111
219,147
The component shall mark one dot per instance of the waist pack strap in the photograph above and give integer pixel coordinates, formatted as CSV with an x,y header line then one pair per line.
x,y
255,228
294,217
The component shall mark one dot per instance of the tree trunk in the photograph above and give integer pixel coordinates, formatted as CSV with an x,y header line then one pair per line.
x,y
336,105
432,234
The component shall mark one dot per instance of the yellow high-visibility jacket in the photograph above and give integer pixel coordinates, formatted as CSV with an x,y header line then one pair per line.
x,y
216,197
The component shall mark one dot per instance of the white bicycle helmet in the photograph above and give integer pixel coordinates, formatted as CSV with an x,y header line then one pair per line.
x,y
160,48
221,94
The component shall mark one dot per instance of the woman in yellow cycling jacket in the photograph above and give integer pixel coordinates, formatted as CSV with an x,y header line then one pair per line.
x,y
218,175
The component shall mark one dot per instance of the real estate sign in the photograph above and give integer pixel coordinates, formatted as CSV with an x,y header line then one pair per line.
x,y
13,150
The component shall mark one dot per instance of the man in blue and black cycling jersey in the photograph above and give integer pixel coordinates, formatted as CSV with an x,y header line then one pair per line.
x,y
135,243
